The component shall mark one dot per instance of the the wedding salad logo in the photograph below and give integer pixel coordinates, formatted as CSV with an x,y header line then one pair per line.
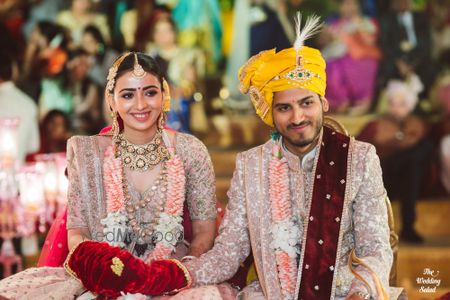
x,y
429,281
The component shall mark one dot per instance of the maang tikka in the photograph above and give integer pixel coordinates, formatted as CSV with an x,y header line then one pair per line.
x,y
138,70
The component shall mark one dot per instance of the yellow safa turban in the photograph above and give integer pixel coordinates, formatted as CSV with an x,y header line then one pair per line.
x,y
271,71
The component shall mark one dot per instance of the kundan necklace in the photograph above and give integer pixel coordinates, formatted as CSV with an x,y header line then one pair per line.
x,y
141,157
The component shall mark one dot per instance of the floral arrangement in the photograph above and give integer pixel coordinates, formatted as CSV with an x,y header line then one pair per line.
x,y
284,228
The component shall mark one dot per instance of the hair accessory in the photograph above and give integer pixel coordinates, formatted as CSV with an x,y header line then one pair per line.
x,y
138,70
112,73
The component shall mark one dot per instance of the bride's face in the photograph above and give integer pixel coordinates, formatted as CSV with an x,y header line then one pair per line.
x,y
138,101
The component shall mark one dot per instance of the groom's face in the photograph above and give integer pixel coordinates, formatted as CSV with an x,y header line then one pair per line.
x,y
298,117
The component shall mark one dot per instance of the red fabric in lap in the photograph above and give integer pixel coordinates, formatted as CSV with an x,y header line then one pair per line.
x,y
92,261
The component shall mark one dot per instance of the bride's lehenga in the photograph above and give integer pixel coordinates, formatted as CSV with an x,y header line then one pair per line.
x,y
87,206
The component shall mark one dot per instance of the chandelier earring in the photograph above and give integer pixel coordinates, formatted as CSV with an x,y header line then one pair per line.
x,y
115,125
161,120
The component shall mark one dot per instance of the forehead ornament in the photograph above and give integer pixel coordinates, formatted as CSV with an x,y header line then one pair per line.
x,y
138,70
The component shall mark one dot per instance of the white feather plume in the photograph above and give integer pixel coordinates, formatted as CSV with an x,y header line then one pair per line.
x,y
312,26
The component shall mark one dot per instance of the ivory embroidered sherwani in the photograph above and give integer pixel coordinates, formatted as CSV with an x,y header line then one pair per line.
x,y
247,223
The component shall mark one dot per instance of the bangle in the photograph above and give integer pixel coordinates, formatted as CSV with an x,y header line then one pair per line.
x,y
187,258
187,276
66,262
363,295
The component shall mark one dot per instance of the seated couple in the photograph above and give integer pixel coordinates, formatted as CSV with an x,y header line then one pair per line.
x,y
309,204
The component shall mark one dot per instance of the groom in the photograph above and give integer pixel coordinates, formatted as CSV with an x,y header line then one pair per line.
x,y
306,202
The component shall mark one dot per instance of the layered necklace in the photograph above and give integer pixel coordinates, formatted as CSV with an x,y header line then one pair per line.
x,y
121,213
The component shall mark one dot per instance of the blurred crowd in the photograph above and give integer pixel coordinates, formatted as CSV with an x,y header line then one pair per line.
x,y
390,59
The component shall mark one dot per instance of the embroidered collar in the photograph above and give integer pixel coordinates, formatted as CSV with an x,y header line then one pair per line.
x,y
307,161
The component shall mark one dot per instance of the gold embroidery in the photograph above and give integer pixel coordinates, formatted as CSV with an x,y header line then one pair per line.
x,y
260,104
117,266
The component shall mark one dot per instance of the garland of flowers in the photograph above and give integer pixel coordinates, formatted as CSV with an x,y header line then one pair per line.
x,y
285,230
172,217
170,221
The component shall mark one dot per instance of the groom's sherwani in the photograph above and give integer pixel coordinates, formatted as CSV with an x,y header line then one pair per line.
x,y
361,221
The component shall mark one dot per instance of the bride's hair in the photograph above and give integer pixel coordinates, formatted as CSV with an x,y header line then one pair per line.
x,y
147,62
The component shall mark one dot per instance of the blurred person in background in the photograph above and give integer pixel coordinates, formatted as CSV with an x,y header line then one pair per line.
x,y
183,68
407,75
404,151
136,24
405,39
349,47
266,30
199,25
256,27
45,56
308,7
42,10
12,18
440,30
15,103
55,131
87,96
44,72
80,15
441,130
100,54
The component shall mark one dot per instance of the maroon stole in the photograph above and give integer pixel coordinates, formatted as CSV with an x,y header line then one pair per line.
x,y
327,204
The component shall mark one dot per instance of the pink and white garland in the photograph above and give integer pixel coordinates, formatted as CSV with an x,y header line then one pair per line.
x,y
170,220
285,230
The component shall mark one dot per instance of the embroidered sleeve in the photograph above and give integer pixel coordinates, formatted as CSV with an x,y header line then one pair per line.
x,y
371,226
75,216
232,246
200,178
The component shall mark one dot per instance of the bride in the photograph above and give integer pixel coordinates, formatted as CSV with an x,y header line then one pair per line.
x,y
128,190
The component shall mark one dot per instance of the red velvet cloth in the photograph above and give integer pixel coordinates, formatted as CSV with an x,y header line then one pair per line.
x,y
92,261
322,235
